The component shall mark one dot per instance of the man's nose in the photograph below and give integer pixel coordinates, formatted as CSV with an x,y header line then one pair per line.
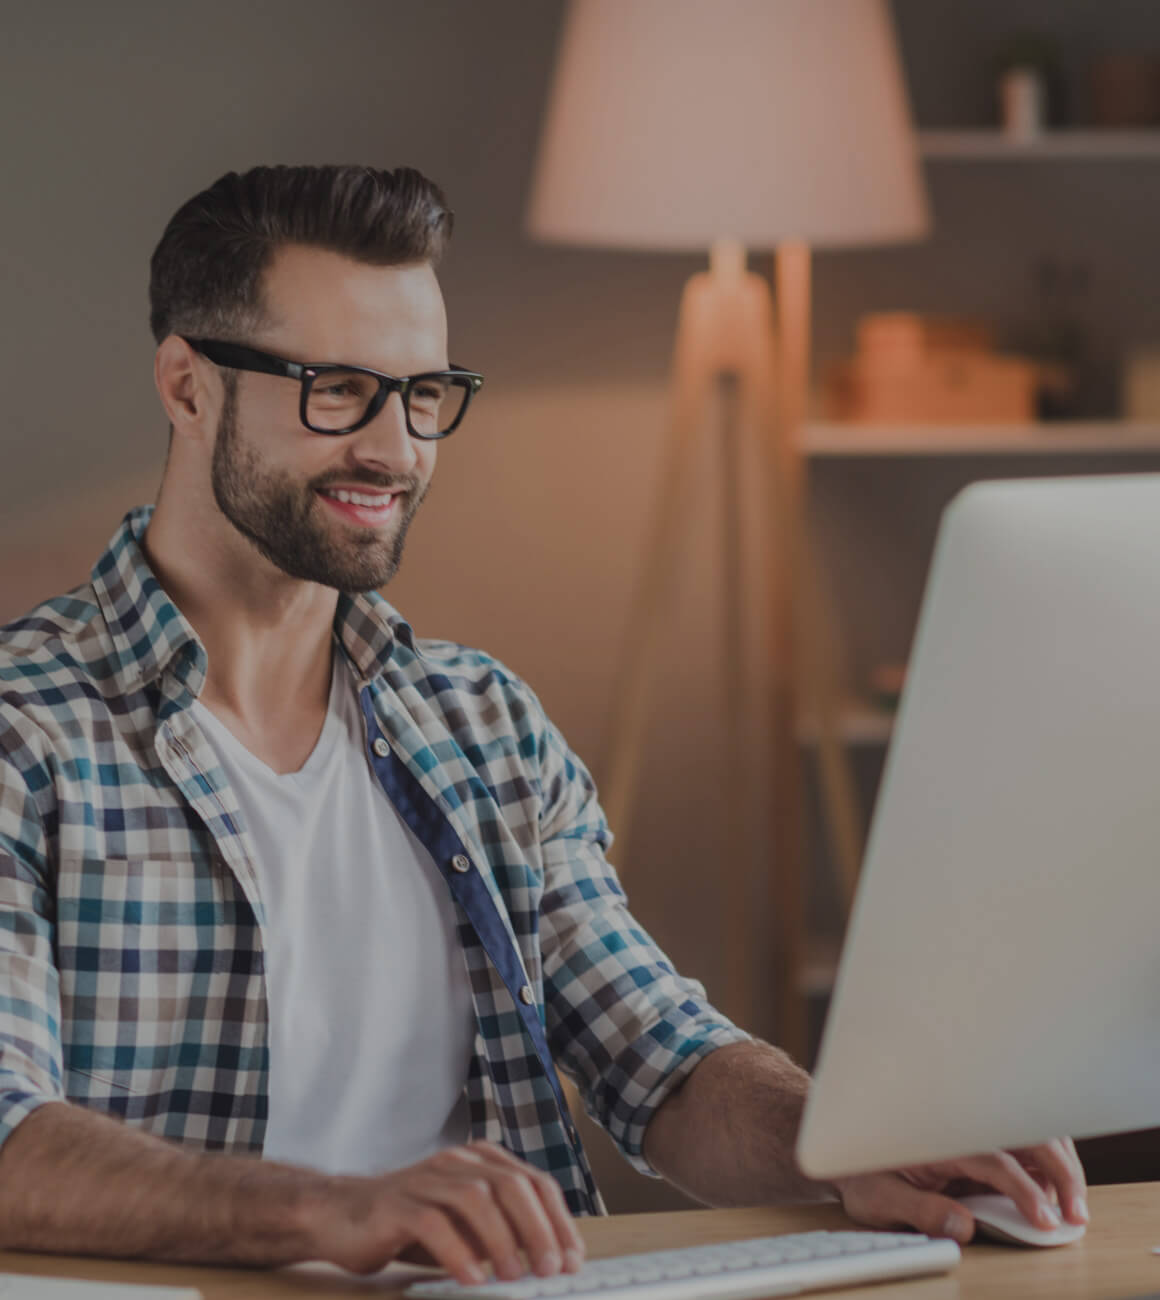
x,y
385,439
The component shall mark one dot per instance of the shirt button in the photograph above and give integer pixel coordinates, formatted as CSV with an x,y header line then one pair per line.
x,y
381,748
527,997
461,863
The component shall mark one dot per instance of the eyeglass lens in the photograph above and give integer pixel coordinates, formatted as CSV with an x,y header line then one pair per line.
x,y
339,398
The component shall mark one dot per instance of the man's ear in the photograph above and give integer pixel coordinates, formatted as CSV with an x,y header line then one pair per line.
x,y
190,401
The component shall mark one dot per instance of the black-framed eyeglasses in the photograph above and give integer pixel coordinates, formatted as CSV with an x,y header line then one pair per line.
x,y
337,399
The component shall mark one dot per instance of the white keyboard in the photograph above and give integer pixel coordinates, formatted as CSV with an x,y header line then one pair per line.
x,y
735,1270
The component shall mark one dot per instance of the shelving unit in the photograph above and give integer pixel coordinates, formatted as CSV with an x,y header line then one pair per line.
x,y
864,729
862,724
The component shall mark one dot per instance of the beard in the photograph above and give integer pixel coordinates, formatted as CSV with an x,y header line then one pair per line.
x,y
284,519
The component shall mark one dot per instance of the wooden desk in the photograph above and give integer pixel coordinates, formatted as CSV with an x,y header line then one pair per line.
x,y
1112,1262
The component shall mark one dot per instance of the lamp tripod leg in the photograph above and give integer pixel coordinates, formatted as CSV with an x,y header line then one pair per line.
x,y
737,767
803,662
631,689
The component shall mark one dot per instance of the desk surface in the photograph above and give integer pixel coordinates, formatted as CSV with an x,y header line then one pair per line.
x,y
1113,1261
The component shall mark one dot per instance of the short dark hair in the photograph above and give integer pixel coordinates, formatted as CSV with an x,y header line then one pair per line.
x,y
206,271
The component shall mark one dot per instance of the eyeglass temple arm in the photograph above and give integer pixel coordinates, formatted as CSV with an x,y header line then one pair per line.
x,y
230,354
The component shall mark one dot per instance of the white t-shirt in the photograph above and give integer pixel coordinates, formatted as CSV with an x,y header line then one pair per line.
x,y
371,1021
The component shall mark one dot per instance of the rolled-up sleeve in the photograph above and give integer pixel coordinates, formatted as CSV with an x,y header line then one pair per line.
x,y
622,1024
30,1050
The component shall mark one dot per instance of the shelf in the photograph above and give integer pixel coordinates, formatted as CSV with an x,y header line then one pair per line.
x,y
1067,437
858,724
993,145
818,972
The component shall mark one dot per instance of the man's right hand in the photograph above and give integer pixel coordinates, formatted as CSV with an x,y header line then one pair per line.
x,y
75,1181
461,1209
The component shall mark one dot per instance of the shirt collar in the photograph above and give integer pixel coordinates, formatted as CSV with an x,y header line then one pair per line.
x,y
368,625
150,634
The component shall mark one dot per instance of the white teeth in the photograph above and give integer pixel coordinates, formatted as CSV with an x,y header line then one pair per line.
x,y
358,498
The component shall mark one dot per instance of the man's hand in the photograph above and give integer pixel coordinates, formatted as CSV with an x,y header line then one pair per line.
x,y
1038,1179
460,1209
76,1181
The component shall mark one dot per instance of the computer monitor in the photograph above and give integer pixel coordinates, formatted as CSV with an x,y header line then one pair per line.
x,y
1000,980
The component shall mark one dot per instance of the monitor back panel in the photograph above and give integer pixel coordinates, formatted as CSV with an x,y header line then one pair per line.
x,y
1000,982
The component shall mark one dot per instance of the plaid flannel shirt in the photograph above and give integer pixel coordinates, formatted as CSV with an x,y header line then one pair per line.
x,y
131,925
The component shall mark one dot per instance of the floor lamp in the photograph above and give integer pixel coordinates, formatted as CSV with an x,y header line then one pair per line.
x,y
741,124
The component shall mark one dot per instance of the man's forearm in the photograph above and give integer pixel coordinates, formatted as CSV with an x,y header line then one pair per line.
x,y
77,1182
726,1136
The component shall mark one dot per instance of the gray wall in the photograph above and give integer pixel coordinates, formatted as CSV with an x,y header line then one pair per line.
x,y
113,114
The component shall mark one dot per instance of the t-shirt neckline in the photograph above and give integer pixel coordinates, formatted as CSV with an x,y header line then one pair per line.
x,y
318,757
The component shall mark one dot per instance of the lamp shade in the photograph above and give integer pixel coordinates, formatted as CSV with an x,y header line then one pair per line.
x,y
675,123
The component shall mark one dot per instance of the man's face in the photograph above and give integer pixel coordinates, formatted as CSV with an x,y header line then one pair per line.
x,y
273,478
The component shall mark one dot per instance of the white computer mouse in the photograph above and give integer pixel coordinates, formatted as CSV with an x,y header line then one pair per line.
x,y
1001,1219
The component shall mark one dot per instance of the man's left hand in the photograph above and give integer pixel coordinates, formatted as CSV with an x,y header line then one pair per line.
x,y
1041,1180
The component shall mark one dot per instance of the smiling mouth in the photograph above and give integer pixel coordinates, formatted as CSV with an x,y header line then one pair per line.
x,y
371,509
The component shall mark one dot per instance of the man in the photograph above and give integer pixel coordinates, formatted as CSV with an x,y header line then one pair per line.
x,y
279,879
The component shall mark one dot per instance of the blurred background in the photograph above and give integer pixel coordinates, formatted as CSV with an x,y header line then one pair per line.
x,y
533,537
